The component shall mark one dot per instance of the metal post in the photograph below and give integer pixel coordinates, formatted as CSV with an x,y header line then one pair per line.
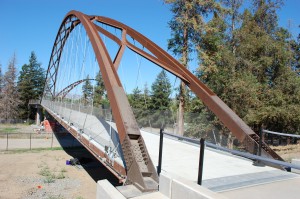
x,y
260,142
30,140
200,168
6,141
161,138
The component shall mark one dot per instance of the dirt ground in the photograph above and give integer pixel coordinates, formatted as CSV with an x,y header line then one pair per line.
x,y
288,152
45,175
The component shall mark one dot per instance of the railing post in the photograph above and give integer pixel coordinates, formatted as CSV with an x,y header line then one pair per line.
x,y
201,158
6,141
260,142
161,138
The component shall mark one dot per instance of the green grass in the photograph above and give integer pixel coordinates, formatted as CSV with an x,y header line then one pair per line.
x,y
50,175
34,150
63,170
45,171
9,129
49,179
61,175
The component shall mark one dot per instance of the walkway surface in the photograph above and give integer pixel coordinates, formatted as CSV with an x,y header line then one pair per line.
x,y
232,176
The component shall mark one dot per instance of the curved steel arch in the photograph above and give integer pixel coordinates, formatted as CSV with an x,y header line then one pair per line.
x,y
127,127
67,89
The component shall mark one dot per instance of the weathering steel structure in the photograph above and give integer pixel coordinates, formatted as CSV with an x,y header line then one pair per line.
x,y
139,169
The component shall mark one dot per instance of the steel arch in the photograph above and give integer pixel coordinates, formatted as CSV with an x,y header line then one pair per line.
x,y
62,94
126,124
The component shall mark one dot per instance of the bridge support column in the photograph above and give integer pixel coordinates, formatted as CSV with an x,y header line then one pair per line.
x,y
39,115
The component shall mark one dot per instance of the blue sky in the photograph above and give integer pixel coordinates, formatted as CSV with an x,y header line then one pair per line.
x,y
31,25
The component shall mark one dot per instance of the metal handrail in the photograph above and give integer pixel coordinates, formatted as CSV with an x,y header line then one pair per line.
x,y
239,153
281,134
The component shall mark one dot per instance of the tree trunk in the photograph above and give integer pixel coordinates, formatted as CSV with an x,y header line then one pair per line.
x,y
181,109
182,91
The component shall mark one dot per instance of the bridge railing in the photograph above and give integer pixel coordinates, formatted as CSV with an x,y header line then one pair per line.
x,y
95,123
195,124
202,143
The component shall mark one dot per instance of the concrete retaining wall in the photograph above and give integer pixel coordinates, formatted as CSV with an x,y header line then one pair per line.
x,y
170,186
176,187
107,191
296,162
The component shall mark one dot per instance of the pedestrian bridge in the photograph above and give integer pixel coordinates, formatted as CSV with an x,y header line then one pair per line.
x,y
82,61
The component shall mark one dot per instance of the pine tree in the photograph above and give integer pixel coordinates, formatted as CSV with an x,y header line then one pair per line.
x,y
295,47
99,91
30,85
234,19
1,81
160,100
87,92
265,14
137,104
10,99
187,26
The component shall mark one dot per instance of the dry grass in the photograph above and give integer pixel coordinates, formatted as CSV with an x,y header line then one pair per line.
x,y
15,128
288,152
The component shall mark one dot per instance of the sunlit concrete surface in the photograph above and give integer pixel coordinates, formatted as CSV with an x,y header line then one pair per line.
x,y
231,176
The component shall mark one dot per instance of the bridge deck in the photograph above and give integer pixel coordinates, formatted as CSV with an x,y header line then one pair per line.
x,y
223,172
230,175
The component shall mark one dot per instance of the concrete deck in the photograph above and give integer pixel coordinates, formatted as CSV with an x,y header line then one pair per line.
x,y
231,176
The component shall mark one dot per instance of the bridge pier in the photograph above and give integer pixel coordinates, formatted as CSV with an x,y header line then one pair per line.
x,y
39,115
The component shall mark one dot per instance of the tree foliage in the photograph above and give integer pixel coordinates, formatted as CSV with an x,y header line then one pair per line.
x,y
9,100
160,100
87,92
30,85
249,61
99,90
187,26
1,81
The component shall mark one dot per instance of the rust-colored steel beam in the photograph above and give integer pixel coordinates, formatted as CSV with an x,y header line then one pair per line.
x,y
141,172
70,87
233,122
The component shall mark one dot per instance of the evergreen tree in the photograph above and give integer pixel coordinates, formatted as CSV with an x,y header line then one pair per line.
x,y
187,25
295,47
234,18
10,99
1,81
265,14
250,69
30,85
87,92
160,100
137,103
140,103
99,91
146,96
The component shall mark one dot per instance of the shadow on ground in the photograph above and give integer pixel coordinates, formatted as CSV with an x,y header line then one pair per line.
x,y
88,162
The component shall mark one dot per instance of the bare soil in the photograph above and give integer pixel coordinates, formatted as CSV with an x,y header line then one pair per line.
x,y
45,175
288,152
